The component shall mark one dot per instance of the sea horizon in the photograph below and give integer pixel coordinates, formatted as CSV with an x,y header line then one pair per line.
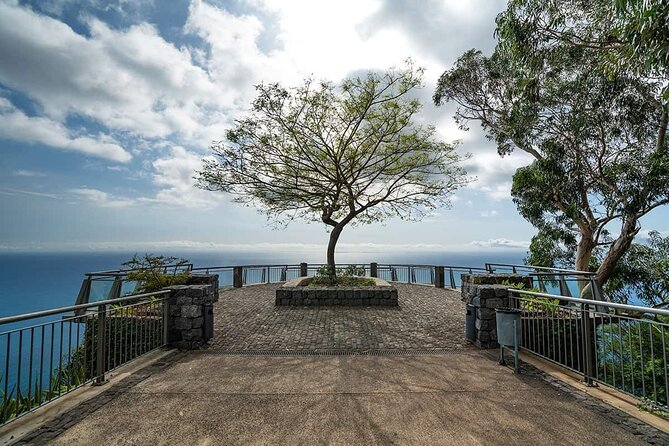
x,y
39,280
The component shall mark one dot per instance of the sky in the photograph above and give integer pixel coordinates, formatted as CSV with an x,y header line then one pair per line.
x,y
107,109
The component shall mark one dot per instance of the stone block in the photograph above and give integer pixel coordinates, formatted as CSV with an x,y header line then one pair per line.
x,y
193,334
493,303
191,311
485,313
183,300
197,322
175,310
485,324
181,323
485,292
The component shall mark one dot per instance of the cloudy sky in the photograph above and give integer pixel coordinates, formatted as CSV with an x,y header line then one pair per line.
x,y
108,107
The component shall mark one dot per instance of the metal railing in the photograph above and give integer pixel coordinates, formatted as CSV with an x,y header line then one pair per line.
x,y
402,273
565,282
425,274
47,354
618,345
113,284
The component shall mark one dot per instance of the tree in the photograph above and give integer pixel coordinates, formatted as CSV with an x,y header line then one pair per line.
x,y
643,272
597,135
348,154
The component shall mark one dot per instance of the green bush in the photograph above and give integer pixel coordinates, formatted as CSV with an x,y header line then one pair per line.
x,y
348,276
533,303
153,273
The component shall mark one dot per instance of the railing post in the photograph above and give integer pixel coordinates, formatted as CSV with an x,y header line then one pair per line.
x,y
84,291
237,281
115,290
101,351
374,269
166,319
439,276
452,277
303,269
588,357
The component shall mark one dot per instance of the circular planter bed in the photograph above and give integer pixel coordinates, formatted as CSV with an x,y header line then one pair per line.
x,y
299,292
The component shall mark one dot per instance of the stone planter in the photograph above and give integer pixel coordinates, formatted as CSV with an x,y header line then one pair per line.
x,y
294,293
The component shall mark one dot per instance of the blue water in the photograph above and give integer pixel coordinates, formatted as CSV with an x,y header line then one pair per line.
x,y
39,281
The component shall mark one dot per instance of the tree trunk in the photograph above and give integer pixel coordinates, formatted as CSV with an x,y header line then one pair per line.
x,y
583,255
334,236
617,250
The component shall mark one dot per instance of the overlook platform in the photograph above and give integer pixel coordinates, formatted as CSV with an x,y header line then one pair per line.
x,y
318,375
427,317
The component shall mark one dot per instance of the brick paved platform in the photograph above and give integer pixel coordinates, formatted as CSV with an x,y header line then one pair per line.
x,y
247,319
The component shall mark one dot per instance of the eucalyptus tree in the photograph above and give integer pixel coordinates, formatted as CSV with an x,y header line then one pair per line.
x,y
596,130
337,154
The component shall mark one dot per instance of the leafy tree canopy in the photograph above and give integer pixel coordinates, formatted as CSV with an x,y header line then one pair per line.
x,y
597,135
643,272
336,154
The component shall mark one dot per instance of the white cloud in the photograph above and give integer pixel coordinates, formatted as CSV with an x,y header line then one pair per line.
x,y
487,214
10,191
494,173
131,80
160,95
174,175
28,173
103,199
501,243
16,125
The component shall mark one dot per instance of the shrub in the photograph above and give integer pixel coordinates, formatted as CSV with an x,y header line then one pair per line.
x,y
153,273
533,303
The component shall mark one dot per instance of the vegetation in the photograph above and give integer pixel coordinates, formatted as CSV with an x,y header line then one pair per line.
x,y
339,155
643,272
561,87
631,356
153,273
62,380
533,303
128,336
351,275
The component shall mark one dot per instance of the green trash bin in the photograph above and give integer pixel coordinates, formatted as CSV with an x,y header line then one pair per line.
x,y
508,321
508,333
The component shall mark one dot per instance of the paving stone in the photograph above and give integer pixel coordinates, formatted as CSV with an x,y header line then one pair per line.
x,y
247,319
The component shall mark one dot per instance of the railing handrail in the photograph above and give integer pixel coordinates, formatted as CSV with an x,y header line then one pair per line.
x,y
115,272
544,268
43,313
598,303
297,265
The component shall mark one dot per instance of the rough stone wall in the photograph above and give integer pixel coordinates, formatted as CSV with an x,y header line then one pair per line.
x,y
187,306
341,296
484,292
210,279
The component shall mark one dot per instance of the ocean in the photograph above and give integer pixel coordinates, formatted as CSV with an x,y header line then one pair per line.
x,y
40,281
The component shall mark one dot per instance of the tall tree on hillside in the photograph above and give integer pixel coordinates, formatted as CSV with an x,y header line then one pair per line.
x,y
338,155
555,88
